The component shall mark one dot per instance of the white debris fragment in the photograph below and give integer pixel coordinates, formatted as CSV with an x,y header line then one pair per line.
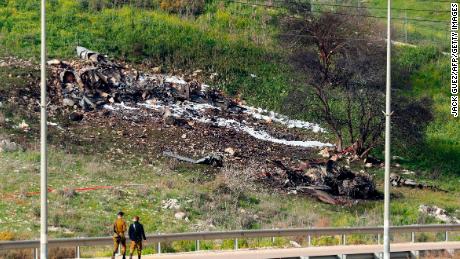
x,y
109,107
294,244
324,153
24,126
408,172
53,62
7,145
180,215
438,213
266,115
175,80
60,229
204,87
170,204
123,106
263,135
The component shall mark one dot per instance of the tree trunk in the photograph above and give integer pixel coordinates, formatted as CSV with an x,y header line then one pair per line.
x,y
339,143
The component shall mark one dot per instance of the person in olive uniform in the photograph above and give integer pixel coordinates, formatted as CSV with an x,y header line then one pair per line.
x,y
119,229
136,234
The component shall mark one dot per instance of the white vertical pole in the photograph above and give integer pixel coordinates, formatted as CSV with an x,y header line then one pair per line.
x,y
43,148
386,216
405,26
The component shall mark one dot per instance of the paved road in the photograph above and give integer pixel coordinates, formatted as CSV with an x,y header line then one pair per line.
x,y
311,251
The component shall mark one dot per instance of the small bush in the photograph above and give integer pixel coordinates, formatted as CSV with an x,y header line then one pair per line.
x,y
118,193
16,254
67,193
54,253
6,236
187,7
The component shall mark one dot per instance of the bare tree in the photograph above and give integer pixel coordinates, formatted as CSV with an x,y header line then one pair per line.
x,y
343,62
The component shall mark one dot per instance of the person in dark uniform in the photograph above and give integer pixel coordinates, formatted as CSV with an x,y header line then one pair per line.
x,y
119,229
136,234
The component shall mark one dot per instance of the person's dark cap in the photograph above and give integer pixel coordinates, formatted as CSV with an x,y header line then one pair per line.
x,y
120,213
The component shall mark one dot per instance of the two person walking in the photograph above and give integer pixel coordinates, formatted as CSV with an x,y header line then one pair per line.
x,y
136,235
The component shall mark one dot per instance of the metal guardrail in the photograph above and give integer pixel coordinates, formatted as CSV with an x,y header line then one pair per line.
x,y
240,234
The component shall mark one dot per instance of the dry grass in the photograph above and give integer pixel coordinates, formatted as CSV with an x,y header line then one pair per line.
x,y
440,255
7,236
67,193
54,253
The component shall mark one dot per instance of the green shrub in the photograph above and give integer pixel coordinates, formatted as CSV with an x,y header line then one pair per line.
x,y
189,7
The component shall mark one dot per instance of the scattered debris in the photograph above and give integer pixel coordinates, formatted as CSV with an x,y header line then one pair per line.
x,y
24,126
408,172
156,70
397,158
68,102
76,116
15,62
87,54
438,213
328,181
194,119
2,118
67,193
53,62
213,160
230,151
98,83
295,244
180,215
60,229
8,146
371,161
398,181
323,196
325,152
170,204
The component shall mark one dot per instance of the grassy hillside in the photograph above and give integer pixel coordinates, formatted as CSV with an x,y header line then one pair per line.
x,y
443,134
227,40
238,42
421,23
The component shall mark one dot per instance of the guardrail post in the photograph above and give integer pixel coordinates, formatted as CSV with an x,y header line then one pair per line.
x,y
344,239
309,240
446,239
378,239
415,254
36,253
236,244
197,245
77,252
159,247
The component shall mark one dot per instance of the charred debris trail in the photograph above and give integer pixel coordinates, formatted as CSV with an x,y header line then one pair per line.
x,y
162,116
